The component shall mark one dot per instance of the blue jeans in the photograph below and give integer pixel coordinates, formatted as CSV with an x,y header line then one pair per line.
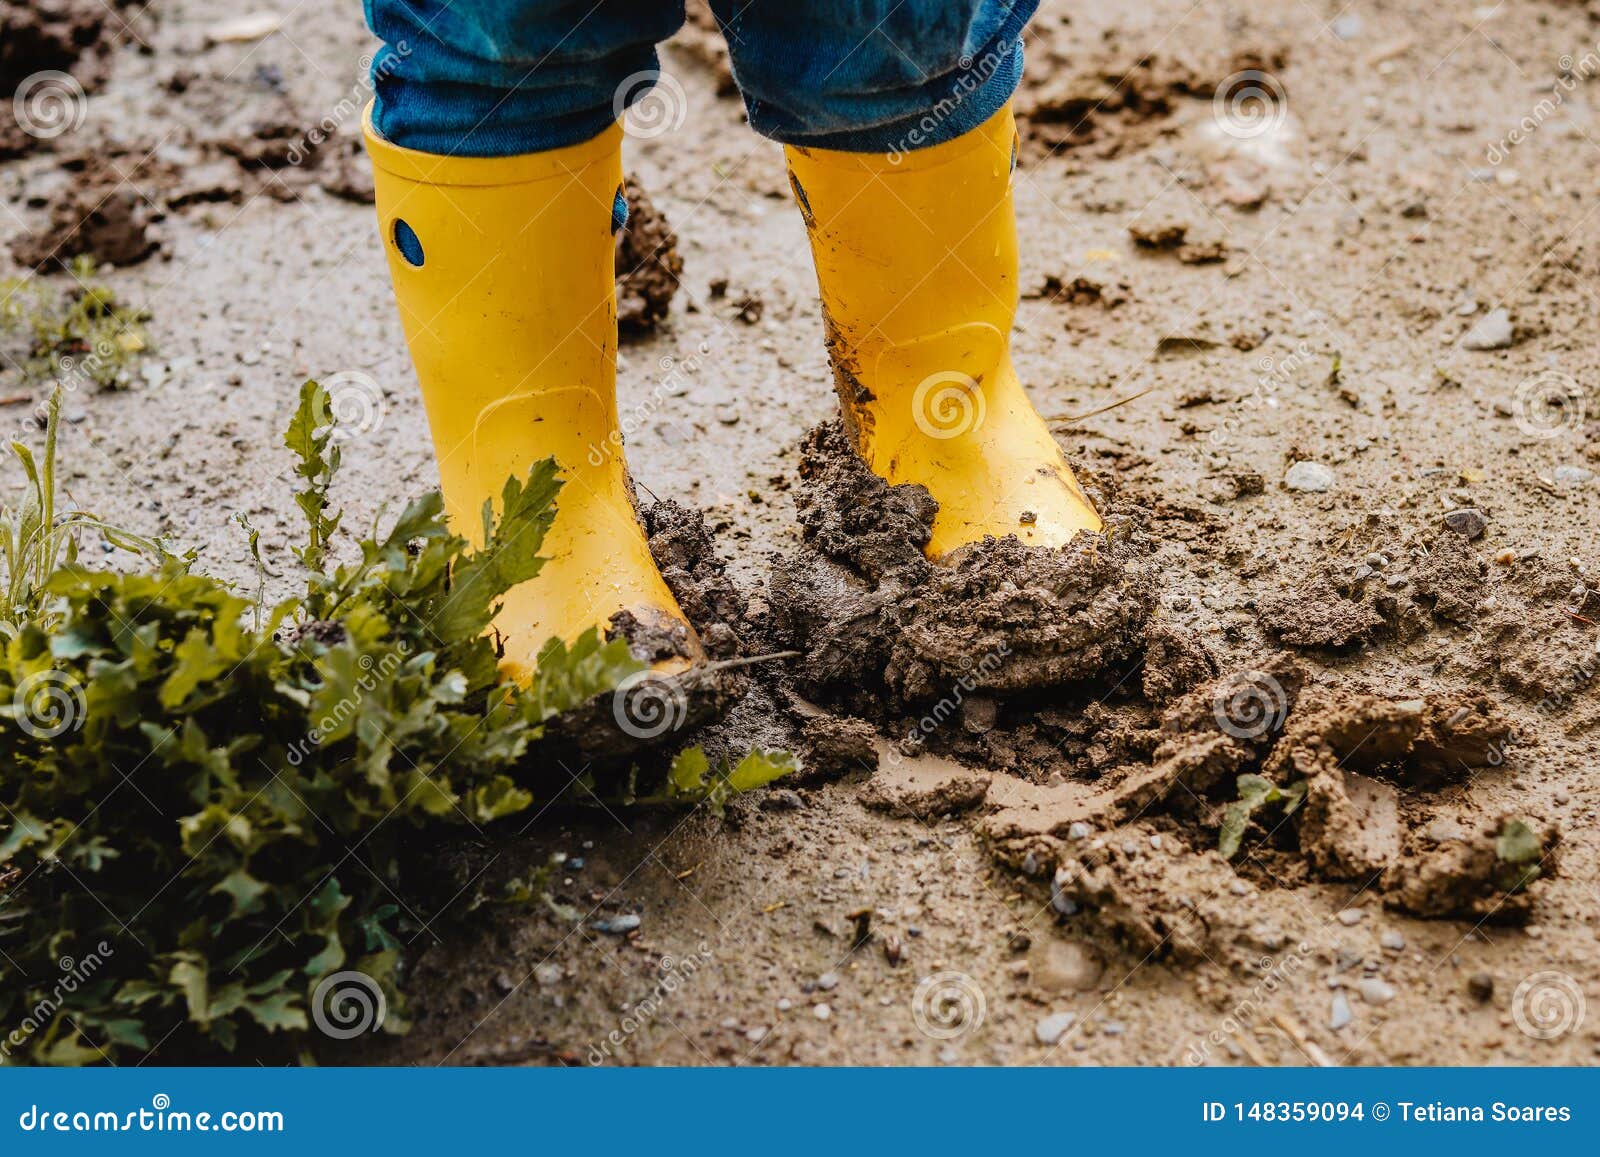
x,y
490,78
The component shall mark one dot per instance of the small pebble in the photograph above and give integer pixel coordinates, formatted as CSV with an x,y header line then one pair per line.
x,y
785,1004
1393,941
1467,522
617,925
1563,796
1571,475
821,1011
1078,830
1112,1028
548,974
1374,990
1052,1028
828,981
1494,331
1340,1014
1311,477
1351,916
1481,986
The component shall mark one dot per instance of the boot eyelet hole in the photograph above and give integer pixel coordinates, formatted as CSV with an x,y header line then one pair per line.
x,y
801,200
408,243
619,211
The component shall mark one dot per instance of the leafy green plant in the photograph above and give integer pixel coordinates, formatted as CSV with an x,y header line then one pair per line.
x,y
1255,792
82,332
215,799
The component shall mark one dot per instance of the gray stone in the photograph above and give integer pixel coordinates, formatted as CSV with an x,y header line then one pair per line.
x,y
1393,941
1052,1028
1340,1014
617,925
1311,477
1572,475
1467,521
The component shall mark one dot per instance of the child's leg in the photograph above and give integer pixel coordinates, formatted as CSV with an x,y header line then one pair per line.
x,y
901,150
498,78
497,163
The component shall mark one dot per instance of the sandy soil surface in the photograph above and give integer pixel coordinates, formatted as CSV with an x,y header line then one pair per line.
x,y
1349,307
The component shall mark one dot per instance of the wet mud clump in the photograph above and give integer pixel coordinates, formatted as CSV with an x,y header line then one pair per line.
x,y
103,213
882,629
648,266
37,36
1321,786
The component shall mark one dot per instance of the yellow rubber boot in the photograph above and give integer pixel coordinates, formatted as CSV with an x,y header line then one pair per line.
x,y
916,258
503,271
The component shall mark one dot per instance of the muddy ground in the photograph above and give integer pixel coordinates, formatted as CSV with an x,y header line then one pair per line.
x,y
1348,310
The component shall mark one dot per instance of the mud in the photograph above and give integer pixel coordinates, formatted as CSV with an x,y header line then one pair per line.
x,y
880,626
103,212
649,267
71,36
1380,236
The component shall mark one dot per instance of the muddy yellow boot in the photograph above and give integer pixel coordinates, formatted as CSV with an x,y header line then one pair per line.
x,y
502,268
916,258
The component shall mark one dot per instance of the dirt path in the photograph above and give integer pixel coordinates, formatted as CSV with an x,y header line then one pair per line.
x,y
1307,291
